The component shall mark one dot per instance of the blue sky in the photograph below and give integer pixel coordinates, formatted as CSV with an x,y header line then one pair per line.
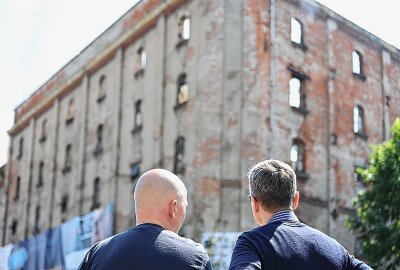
x,y
38,37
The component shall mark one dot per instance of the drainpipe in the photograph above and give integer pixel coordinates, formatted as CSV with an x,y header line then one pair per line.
x,y
121,55
272,81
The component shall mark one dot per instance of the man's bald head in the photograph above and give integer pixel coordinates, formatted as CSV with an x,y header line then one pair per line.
x,y
158,193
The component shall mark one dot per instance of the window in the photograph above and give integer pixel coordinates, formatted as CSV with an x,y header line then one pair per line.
x,y
135,170
40,175
358,119
102,89
296,32
297,156
43,134
21,148
297,96
358,179
96,193
141,60
36,228
138,115
99,145
70,112
184,28
68,159
64,203
179,166
14,226
17,188
295,92
358,65
183,90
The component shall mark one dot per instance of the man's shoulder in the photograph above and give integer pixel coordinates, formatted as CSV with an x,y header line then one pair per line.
x,y
177,240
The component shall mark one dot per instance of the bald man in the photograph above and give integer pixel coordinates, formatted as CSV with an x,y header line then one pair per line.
x,y
160,206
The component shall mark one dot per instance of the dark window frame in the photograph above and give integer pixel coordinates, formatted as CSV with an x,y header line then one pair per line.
x,y
302,77
300,45
181,82
361,76
179,166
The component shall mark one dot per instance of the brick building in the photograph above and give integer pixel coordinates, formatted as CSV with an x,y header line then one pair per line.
x,y
205,89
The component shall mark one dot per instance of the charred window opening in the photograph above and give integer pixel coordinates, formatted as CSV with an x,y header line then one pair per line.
x,y
184,28
99,135
102,89
40,175
96,193
70,112
43,134
358,69
297,158
20,148
67,159
14,226
183,90
297,33
297,95
64,203
358,179
36,227
141,61
17,189
179,166
138,115
358,121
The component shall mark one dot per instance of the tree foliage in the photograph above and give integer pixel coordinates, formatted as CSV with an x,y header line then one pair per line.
x,y
377,223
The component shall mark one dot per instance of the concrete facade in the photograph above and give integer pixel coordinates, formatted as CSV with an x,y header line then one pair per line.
x,y
238,62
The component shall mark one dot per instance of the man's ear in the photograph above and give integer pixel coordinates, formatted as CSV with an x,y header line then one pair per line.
x,y
256,205
296,200
173,207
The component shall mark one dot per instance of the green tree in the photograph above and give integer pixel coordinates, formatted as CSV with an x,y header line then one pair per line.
x,y
377,223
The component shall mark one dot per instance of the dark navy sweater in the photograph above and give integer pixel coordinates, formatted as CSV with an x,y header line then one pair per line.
x,y
146,247
288,245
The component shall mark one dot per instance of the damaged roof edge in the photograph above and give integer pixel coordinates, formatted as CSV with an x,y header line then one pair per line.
x,y
84,50
340,19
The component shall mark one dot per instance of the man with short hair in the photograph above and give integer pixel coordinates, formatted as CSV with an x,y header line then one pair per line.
x,y
282,241
160,206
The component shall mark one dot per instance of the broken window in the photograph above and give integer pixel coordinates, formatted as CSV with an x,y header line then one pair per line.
x,y
99,136
102,89
183,89
141,60
64,203
135,170
297,156
40,175
358,179
184,28
70,111
43,132
96,193
179,166
138,115
21,148
296,33
357,62
295,92
36,227
68,159
358,113
17,188
14,226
